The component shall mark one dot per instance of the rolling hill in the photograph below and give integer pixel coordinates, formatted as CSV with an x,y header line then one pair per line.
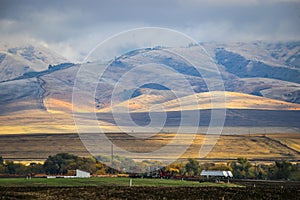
x,y
234,100
256,76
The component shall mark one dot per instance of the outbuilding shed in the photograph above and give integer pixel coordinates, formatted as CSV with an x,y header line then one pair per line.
x,y
82,174
215,173
79,174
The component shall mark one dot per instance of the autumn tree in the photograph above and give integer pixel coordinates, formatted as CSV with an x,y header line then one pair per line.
x,y
192,167
241,168
281,170
35,168
62,162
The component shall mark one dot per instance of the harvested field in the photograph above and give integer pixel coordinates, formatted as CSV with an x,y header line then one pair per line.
x,y
256,147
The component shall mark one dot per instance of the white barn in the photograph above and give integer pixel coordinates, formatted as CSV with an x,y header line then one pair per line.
x,y
215,173
79,174
82,174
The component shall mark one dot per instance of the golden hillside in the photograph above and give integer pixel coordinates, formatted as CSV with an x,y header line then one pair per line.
x,y
233,100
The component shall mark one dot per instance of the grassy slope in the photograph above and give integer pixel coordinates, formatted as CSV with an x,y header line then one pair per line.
x,y
234,100
256,147
59,119
291,141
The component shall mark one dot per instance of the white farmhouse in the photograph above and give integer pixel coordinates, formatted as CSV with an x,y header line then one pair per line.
x,y
82,174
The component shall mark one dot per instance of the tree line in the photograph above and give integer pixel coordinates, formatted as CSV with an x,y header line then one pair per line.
x,y
63,163
243,168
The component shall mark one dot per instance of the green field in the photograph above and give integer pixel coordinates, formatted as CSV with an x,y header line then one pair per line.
x,y
105,181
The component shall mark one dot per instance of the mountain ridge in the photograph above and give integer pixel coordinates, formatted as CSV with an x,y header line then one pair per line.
x,y
19,58
48,91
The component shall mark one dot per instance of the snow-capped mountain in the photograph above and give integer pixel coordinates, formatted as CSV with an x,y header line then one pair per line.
x,y
17,59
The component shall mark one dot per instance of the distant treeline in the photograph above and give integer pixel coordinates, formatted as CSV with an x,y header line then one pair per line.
x,y
64,163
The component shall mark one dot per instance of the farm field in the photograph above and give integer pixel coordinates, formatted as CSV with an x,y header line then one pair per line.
x,y
118,188
104,181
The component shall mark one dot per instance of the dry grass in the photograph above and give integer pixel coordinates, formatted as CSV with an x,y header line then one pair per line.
x,y
256,147
36,121
41,121
39,146
291,140
203,100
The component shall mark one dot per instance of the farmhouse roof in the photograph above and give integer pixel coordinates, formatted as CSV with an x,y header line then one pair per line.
x,y
216,173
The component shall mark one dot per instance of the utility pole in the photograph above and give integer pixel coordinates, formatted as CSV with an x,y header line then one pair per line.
x,y
112,152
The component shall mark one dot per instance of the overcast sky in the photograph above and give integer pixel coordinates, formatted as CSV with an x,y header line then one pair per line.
x,y
72,28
